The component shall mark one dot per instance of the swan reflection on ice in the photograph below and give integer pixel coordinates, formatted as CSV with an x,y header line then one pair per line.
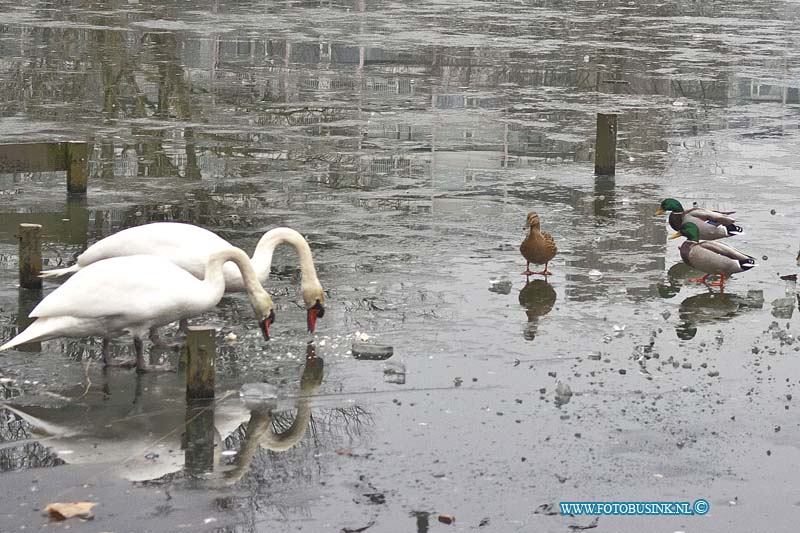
x,y
145,439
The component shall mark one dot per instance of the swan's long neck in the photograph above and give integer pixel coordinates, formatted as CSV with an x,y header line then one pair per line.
x,y
260,432
262,257
214,278
280,442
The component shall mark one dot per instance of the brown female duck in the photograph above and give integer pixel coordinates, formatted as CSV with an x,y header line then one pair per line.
x,y
538,247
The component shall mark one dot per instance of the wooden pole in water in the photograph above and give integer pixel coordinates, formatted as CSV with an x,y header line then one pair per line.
x,y
605,146
77,162
201,349
30,256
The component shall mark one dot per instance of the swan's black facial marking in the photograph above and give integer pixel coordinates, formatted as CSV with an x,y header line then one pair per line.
x,y
320,309
266,323
314,312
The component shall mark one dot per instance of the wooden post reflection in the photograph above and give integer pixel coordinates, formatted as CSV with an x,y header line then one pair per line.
x,y
199,450
27,299
77,225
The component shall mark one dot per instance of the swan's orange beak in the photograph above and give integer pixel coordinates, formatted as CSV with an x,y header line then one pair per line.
x,y
314,312
266,323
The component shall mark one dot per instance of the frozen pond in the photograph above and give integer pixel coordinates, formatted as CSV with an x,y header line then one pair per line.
x,y
407,143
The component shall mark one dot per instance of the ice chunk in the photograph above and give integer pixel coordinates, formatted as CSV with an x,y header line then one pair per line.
x,y
783,307
500,286
394,372
372,352
563,394
258,393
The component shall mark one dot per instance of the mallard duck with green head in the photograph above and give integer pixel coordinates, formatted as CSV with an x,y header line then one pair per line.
x,y
711,224
711,257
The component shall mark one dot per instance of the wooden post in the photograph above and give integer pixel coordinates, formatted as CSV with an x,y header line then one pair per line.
x,y
605,146
30,256
77,162
200,366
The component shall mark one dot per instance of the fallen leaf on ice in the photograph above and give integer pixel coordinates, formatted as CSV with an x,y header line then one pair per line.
x,y
62,511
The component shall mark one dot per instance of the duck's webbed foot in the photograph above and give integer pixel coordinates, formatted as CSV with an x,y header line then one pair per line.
x,y
544,272
528,270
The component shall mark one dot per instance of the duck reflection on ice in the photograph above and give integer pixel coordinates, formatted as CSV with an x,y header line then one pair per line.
x,y
676,276
141,435
538,298
711,307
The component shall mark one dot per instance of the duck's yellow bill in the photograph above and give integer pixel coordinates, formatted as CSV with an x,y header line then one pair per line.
x,y
660,211
675,235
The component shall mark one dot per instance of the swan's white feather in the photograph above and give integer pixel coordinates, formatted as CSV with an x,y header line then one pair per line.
x,y
47,328
186,245
140,288
189,247
120,295
56,272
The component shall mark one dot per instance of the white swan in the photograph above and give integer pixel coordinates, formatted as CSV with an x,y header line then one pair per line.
x,y
135,293
189,247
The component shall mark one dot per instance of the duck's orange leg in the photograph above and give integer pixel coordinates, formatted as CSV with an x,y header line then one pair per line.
x,y
528,270
720,283
544,272
699,280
